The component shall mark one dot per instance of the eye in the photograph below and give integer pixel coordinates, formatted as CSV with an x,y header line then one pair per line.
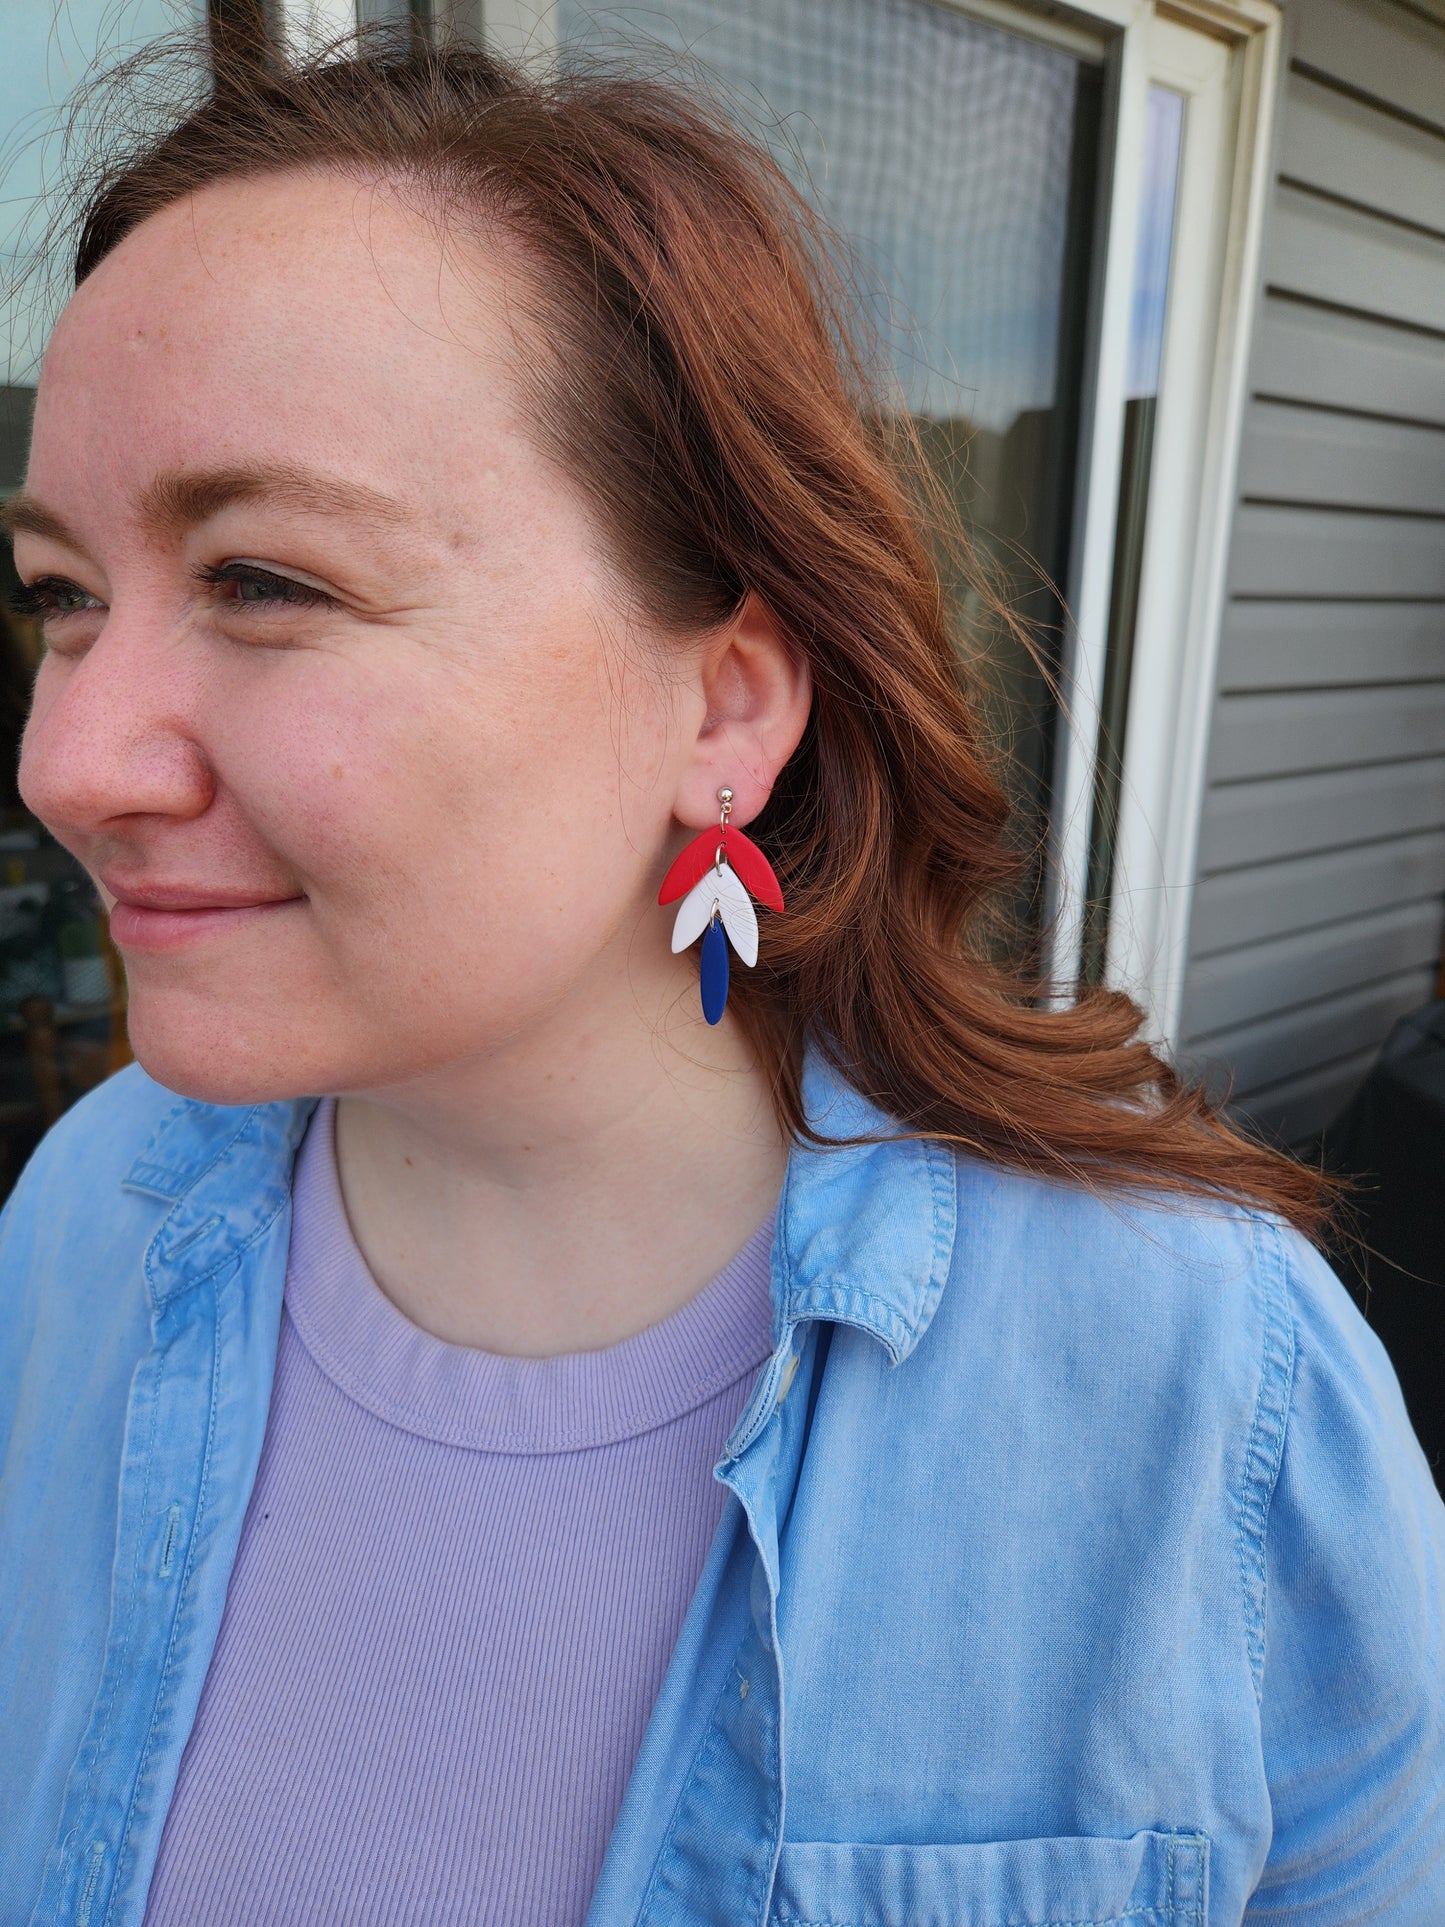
x,y
49,596
248,583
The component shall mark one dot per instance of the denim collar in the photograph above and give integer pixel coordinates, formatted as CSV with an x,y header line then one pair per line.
x,y
226,1172
865,1231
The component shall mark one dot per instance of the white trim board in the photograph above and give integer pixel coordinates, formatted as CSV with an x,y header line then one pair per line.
x,y
1227,67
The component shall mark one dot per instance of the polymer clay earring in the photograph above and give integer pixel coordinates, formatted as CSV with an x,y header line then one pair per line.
x,y
713,877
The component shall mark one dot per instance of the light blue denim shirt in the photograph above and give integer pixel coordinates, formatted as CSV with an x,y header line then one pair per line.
x,y
1082,1566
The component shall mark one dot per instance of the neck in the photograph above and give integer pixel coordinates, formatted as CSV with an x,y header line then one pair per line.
x,y
566,1190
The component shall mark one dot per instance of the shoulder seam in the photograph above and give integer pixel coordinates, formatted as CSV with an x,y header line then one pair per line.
x,y
1265,1449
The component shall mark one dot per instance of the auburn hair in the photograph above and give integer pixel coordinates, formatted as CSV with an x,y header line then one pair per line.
x,y
696,371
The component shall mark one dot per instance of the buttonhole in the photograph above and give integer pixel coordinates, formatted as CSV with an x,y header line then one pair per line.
x,y
191,1237
173,1522
95,1860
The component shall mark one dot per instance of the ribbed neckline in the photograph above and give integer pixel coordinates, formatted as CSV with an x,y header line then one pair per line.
x,y
457,1395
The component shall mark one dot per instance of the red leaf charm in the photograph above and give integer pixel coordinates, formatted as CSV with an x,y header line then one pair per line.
x,y
752,867
697,857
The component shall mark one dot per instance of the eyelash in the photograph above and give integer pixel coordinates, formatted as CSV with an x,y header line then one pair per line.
x,y
284,590
43,597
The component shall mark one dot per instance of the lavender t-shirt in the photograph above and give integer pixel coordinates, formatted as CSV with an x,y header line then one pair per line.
x,y
459,1582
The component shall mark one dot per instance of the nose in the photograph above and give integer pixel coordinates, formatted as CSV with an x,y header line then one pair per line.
x,y
112,737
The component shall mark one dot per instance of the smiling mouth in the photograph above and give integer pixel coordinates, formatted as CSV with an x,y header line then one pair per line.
x,y
158,925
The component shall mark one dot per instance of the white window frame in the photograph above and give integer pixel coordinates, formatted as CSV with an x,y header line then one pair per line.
x,y
1214,275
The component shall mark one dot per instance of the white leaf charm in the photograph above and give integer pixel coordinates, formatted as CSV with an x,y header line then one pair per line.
x,y
739,918
718,886
694,913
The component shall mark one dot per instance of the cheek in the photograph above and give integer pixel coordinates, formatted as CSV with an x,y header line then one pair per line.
x,y
309,765
441,817
575,775
470,849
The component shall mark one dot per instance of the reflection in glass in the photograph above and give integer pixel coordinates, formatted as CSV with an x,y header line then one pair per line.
x,y
1163,146
959,160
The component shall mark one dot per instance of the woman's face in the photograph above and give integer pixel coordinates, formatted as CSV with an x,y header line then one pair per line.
x,y
333,647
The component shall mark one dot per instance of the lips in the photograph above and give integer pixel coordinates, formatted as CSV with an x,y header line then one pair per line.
x,y
172,916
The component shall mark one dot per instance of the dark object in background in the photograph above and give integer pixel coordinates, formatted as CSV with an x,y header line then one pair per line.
x,y
1391,1138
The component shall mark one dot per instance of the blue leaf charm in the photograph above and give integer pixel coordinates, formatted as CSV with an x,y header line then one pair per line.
x,y
714,972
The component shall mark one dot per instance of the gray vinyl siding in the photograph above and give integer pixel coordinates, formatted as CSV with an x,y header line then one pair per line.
x,y
1318,910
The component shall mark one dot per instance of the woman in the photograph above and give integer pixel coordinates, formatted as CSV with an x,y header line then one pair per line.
x,y
453,518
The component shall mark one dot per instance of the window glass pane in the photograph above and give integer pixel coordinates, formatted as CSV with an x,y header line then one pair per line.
x,y
50,46
960,160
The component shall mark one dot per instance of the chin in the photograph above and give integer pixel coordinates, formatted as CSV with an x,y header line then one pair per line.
x,y
213,1070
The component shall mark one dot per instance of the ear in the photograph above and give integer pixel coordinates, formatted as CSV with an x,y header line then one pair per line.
x,y
757,692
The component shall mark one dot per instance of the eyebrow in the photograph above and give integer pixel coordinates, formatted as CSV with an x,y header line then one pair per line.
x,y
181,500
23,515
187,497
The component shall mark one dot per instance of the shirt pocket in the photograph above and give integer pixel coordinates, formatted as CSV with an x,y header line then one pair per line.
x,y
1148,1880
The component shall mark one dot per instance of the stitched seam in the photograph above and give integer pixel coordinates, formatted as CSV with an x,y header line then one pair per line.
x,y
190,1182
1198,1869
1165,1917
704,1753
166,1668
765,1392
775,1829
102,1737
1151,1914
233,1254
1265,1449
224,1151
943,1182
1169,1887
776,1792
158,1170
937,1165
782,1312
413,1419
888,1312
237,1252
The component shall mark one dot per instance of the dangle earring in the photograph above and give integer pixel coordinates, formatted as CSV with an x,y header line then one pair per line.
x,y
716,871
